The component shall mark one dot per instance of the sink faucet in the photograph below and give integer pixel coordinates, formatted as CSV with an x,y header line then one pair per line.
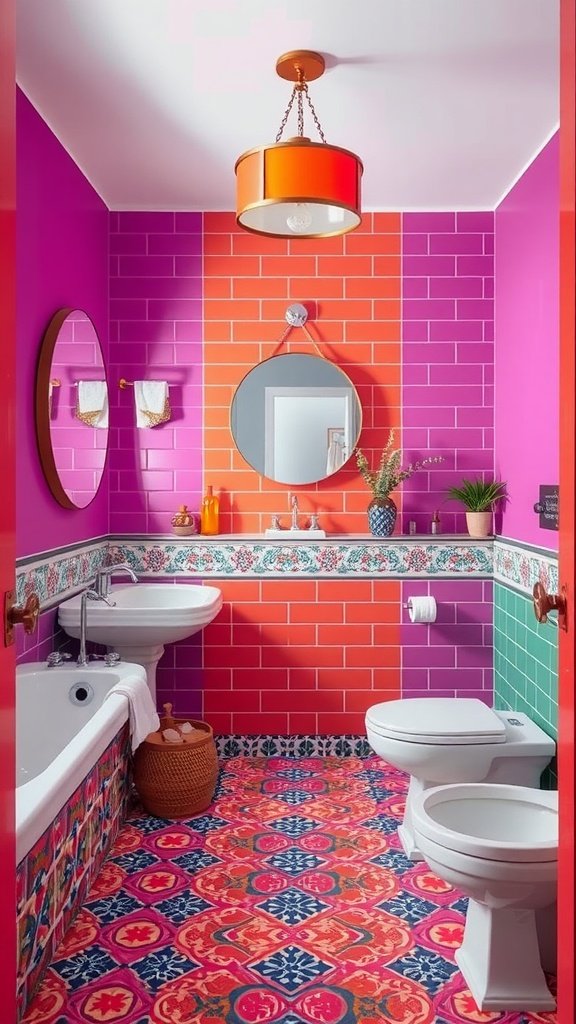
x,y
293,499
102,584
87,595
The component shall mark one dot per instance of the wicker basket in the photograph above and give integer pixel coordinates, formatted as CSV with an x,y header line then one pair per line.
x,y
176,780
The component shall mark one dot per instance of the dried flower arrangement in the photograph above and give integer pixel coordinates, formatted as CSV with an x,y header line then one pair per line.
x,y
390,472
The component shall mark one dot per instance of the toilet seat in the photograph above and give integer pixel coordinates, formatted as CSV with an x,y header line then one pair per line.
x,y
437,721
511,824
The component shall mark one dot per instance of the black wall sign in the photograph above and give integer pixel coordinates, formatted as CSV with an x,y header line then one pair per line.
x,y
547,506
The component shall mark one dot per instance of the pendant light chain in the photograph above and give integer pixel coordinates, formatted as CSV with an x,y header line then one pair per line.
x,y
286,114
300,89
314,115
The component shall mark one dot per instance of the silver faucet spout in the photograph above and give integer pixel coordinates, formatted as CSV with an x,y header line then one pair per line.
x,y
295,511
102,583
87,595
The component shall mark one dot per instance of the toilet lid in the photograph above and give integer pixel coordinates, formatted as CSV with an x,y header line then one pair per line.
x,y
495,822
437,720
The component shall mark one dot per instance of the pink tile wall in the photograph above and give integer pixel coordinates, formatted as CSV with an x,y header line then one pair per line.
x,y
156,334
62,254
451,657
447,357
527,351
47,637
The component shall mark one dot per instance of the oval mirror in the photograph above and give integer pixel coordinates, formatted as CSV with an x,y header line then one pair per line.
x,y
72,408
296,418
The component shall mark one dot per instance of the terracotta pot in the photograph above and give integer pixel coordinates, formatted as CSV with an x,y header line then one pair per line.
x,y
382,514
479,523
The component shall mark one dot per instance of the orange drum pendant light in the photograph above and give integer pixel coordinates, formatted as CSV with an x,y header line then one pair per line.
x,y
298,188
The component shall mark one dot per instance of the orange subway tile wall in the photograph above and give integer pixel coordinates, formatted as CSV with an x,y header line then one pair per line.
x,y
351,287
301,656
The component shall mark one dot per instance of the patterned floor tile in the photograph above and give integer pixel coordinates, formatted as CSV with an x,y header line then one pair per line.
x,y
254,912
292,968
293,906
293,826
294,861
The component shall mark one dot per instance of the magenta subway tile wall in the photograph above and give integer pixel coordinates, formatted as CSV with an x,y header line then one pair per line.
x,y
451,657
447,356
62,251
156,333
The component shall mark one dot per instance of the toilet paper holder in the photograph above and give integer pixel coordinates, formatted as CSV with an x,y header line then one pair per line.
x,y
414,609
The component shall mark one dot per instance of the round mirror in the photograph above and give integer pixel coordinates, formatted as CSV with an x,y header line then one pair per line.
x,y
72,408
296,418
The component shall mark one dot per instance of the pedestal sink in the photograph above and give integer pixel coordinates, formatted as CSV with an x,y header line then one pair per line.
x,y
145,616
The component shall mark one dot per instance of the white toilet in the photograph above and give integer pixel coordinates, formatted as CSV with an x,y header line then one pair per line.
x,y
441,740
499,846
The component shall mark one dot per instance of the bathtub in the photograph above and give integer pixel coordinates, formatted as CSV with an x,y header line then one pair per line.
x,y
63,726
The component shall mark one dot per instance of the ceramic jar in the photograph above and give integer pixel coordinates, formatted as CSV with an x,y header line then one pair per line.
x,y
382,514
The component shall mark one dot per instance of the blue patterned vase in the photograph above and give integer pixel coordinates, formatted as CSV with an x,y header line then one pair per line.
x,y
382,514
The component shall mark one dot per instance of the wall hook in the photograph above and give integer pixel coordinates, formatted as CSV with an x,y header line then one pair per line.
x,y
544,603
26,615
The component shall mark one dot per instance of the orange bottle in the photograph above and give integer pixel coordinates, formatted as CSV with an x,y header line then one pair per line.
x,y
209,510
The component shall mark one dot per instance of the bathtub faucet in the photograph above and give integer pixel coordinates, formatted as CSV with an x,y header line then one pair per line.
x,y
87,595
102,584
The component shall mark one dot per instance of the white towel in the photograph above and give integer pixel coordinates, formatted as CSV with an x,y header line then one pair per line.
x,y
143,715
92,403
152,403
336,452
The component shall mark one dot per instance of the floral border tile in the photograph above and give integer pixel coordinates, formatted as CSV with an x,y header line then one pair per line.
x,y
257,559
521,567
54,576
293,746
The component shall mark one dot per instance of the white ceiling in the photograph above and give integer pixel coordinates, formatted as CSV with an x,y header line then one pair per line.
x,y
445,101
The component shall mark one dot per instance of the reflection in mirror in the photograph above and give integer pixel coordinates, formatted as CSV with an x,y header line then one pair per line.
x,y
296,418
72,408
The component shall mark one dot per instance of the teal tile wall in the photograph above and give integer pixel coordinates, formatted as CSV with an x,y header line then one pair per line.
x,y
525,663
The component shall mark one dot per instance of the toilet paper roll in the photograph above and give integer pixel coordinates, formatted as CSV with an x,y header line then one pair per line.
x,y
422,609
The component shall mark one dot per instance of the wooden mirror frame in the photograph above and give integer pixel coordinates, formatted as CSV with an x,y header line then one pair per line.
x,y
42,408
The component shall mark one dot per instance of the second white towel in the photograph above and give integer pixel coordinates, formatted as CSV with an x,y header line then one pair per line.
x,y
143,715
92,403
152,402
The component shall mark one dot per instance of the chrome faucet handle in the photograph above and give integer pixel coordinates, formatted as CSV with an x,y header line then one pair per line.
x,y
313,524
112,658
275,524
93,595
57,658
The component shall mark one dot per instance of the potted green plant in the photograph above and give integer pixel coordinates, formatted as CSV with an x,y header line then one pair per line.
x,y
479,497
382,509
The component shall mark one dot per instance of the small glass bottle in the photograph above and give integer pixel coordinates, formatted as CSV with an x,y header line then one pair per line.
x,y
435,524
412,527
209,510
